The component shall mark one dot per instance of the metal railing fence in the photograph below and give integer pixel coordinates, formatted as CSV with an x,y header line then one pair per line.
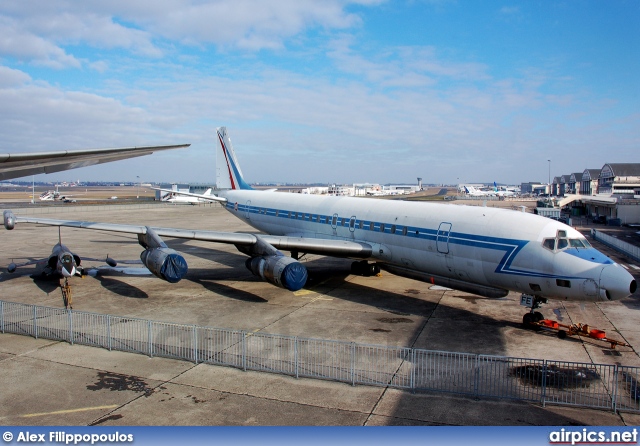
x,y
624,247
602,386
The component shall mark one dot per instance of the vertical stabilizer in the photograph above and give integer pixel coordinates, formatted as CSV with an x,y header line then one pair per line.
x,y
228,172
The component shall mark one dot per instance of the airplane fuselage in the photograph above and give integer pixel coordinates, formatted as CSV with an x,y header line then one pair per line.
x,y
488,251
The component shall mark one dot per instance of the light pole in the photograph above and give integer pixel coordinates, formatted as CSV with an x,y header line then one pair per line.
x,y
549,177
138,191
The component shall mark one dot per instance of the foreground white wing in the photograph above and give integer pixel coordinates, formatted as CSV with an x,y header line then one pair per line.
x,y
16,165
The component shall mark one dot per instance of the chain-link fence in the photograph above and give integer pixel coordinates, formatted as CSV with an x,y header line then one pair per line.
x,y
601,386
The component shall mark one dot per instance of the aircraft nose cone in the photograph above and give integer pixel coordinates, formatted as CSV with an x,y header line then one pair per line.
x,y
616,282
68,270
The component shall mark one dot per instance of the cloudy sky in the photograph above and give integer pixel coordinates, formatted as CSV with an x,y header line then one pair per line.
x,y
326,91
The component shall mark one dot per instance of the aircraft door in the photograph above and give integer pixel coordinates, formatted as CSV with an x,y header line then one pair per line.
x,y
334,224
442,238
248,210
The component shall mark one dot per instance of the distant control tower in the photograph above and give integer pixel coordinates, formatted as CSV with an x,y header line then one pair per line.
x,y
419,183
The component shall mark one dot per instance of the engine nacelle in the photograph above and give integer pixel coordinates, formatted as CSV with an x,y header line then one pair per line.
x,y
165,263
281,271
9,220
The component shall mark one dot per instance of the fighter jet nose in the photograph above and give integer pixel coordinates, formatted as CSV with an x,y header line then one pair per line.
x,y
616,282
68,271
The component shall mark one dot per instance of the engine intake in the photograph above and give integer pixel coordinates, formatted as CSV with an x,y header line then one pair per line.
x,y
9,220
165,263
281,271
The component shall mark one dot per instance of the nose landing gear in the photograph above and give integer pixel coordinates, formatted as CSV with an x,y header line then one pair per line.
x,y
532,317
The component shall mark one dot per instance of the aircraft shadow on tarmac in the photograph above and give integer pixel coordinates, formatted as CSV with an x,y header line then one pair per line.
x,y
329,277
119,287
229,292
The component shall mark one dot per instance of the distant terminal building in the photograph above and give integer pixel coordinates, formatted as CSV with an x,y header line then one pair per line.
x,y
611,193
620,179
589,182
534,188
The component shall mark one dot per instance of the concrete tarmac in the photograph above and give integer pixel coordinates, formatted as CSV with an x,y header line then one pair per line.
x,y
47,382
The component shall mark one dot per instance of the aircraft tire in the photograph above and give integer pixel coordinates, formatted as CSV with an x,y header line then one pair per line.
x,y
538,316
527,320
373,269
358,268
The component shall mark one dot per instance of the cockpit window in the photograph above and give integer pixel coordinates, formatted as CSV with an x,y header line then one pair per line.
x,y
576,243
562,234
549,243
562,243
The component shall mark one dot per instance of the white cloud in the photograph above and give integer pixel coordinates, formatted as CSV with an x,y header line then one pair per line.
x,y
16,41
12,78
384,114
39,31
408,67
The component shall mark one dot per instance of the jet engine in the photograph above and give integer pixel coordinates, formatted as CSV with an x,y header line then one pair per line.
x,y
273,266
281,271
165,263
162,261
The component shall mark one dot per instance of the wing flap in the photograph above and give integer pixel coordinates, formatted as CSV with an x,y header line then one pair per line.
x,y
343,248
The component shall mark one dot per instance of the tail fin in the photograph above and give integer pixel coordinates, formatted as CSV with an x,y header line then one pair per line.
x,y
228,173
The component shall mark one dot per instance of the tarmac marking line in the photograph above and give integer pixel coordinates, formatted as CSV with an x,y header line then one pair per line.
x,y
59,412
317,298
304,291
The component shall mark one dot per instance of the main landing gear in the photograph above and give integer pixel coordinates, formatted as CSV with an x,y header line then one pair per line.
x,y
364,268
533,316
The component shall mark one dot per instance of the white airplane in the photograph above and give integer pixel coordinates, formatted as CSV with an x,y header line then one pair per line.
x,y
502,192
176,197
473,192
53,195
480,250
50,195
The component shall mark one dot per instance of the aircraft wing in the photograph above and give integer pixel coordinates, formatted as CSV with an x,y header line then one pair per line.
x,y
340,248
16,165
